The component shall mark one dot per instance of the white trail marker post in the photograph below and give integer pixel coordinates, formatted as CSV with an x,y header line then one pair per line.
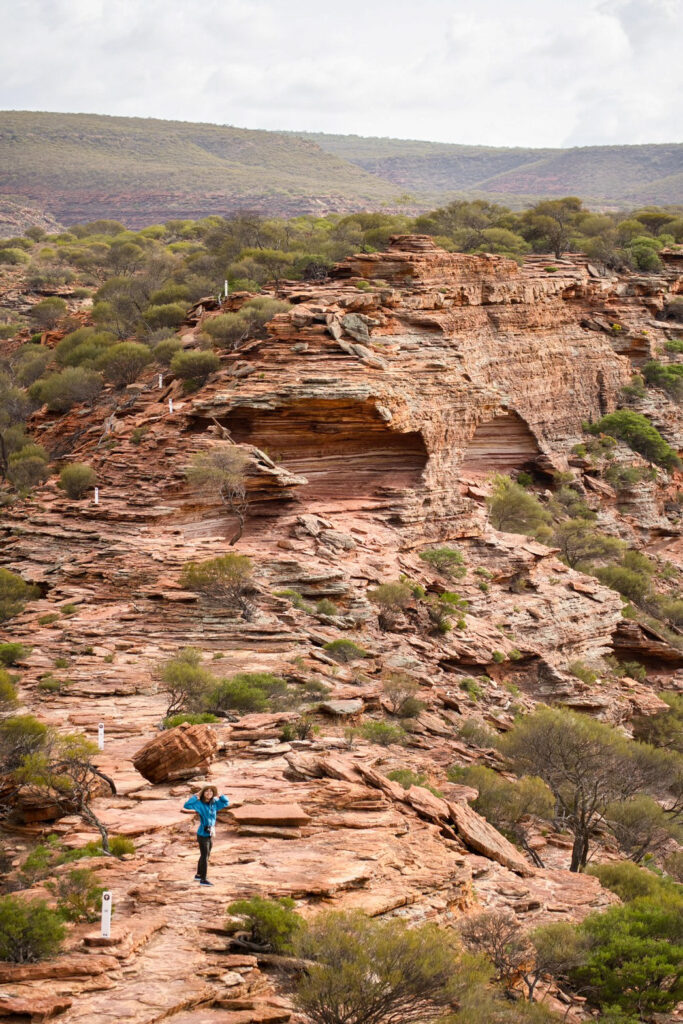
x,y
100,736
106,915
97,495
170,405
161,380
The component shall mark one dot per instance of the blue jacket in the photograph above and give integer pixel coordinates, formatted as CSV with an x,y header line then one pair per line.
x,y
207,812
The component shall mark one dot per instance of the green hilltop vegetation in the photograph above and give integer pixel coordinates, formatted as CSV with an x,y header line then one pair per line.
x,y
81,167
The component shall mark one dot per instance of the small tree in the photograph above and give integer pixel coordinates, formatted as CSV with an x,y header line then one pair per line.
x,y
185,682
222,470
375,972
497,935
392,599
20,736
14,593
581,544
586,765
641,826
226,580
399,688
63,769
8,694
29,931
77,478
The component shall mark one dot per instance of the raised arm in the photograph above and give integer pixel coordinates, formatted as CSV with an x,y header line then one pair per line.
x,y
222,802
192,804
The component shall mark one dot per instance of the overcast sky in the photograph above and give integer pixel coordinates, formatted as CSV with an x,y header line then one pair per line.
x,y
498,72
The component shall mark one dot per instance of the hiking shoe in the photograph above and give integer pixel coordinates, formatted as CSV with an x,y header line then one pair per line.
x,y
204,881
197,878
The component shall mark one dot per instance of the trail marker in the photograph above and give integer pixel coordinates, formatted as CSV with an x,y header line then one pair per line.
x,y
100,736
161,380
170,405
97,496
106,915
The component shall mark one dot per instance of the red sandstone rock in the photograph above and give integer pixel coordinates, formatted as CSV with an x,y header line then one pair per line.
x,y
479,835
285,815
175,752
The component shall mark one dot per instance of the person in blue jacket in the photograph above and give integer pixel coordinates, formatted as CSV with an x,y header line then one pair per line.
x,y
207,805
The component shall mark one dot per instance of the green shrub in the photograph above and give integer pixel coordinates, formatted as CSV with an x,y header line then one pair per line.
x,y
8,693
476,733
471,687
29,931
169,293
296,599
407,778
202,718
14,593
628,881
186,683
28,467
392,599
168,314
11,653
634,959
498,657
120,846
60,391
226,579
20,736
668,377
77,478
272,923
30,364
78,895
448,561
13,257
47,312
345,651
581,671
123,363
514,510
166,349
230,329
245,692
634,586
326,607
194,367
382,733
639,434
83,347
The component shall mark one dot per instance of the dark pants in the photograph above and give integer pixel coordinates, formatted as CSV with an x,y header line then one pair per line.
x,y
205,844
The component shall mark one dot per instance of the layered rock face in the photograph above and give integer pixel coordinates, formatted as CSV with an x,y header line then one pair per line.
x,y
372,418
449,366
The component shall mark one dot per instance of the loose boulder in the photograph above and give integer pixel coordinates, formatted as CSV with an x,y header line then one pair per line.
x,y
177,753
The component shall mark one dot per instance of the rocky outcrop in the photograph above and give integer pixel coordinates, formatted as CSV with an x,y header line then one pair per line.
x,y
187,749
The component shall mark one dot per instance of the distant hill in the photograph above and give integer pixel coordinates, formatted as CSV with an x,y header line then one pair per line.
x,y
79,167
616,175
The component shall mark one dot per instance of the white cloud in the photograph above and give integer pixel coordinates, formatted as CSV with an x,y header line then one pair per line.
x,y
530,73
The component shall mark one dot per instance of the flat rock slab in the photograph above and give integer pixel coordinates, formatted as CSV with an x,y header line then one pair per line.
x,y
285,815
479,835
33,1007
342,707
72,965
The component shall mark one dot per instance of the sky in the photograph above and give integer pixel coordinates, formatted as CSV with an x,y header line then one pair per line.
x,y
493,72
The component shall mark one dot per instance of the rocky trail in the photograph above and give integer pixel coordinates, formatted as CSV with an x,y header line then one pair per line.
x,y
373,418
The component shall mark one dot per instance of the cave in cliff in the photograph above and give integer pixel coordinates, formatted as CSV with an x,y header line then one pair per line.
x,y
345,449
502,444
